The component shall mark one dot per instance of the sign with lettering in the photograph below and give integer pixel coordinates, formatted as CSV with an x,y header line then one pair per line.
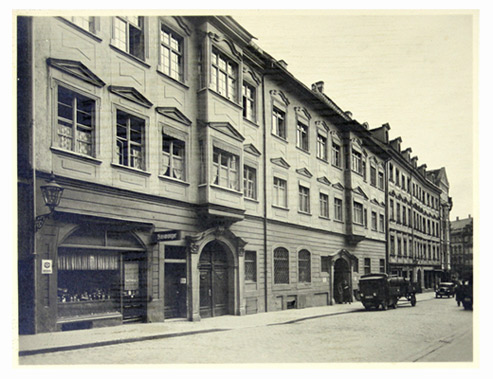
x,y
168,235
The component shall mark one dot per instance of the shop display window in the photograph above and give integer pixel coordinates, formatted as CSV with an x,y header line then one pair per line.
x,y
88,282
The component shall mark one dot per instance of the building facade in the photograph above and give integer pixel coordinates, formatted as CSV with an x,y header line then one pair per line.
x,y
200,177
461,248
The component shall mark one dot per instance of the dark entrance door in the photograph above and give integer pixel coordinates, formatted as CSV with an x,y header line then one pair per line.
x,y
341,279
214,281
134,289
175,284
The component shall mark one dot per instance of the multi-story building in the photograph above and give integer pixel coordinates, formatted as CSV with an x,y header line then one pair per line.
x,y
439,177
461,248
200,178
414,246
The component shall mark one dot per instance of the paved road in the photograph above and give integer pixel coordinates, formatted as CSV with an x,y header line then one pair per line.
x,y
434,330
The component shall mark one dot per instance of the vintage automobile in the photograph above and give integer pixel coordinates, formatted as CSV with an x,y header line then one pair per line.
x,y
381,290
445,289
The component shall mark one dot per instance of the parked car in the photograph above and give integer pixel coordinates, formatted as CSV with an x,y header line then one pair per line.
x,y
380,290
445,289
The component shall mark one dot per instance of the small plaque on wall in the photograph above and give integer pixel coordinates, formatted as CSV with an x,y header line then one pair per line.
x,y
47,266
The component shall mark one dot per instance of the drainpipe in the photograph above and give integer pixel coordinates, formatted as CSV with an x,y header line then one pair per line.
x,y
264,141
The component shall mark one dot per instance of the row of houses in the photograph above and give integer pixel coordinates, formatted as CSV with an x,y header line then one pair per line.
x,y
201,178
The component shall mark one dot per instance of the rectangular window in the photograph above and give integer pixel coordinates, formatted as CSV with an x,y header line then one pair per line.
x,y
304,267
324,205
280,195
356,162
249,182
403,182
363,165
374,224
397,177
321,147
358,213
302,136
325,264
367,267
382,266
171,54
403,215
398,211
130,142
224,74
75,122
391,205
173,158
304,199
392,245
249,102
382,222
337,209
225,169
278,123
281,266
373,175
129,35
336,155
399,246
250,266
380,180
391,172
404,247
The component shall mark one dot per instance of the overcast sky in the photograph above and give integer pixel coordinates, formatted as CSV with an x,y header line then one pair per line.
x,y
412,70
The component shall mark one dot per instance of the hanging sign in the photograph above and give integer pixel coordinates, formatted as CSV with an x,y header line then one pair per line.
x,y
46,266
168,235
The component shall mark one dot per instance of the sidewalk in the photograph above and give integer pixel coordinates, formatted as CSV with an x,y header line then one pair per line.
x,y
79,339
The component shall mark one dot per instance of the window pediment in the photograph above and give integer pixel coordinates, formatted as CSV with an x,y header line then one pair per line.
x,y
302,112
280,162
324,180
304,171
174,114
279,96
131,94
360,192
77,70
251,149
338,186
222,40
227,129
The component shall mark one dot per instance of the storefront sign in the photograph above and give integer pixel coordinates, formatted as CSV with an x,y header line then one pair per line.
x,y
46,266
168,235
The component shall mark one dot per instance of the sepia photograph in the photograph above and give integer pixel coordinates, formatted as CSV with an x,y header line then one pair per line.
x,y
246,187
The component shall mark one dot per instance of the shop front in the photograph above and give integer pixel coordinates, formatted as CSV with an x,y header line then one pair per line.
x,y
101,278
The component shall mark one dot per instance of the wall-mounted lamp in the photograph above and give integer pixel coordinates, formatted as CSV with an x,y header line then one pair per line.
x,y
52,193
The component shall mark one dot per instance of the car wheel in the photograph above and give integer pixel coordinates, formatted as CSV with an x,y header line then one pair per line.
x,y
385,306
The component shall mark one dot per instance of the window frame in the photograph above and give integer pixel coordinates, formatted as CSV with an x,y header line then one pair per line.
x,y
302,136
374,221
129,42
324,205
284,261
358,213
181,41
232,183
231,78
322,147
357,161
173,157
128,133
247,180
338,209
367,266
280,184
303,199
278,128
252,263
336,156
73,121
252,99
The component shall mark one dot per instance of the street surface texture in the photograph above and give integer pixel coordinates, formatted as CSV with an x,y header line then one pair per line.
x,y
436,330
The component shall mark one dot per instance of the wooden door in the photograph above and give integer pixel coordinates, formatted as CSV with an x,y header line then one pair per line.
x,y
175,290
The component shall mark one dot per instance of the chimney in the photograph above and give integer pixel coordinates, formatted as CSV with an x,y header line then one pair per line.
x,y
318,86
457,219
366,125
469,216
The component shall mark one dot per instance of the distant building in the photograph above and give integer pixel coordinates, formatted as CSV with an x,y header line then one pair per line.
x,y
461,243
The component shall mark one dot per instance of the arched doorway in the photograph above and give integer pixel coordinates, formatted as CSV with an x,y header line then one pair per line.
x,y
342,278
216,280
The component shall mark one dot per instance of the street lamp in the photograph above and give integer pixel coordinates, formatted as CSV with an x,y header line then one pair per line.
x,y
52,193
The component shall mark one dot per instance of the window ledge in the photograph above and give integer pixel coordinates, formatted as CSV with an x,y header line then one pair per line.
x,y
226,189
339,221
73,154
323,160
304,213
279,138
128,55
324,218
172,79
174,180
303,150
338,167
251,200
131,169
253,123
232,102
280,207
